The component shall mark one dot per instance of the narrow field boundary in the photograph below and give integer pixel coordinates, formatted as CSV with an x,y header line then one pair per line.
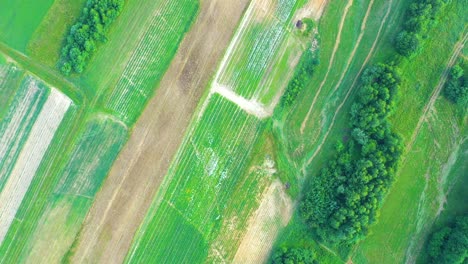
x,y
330,64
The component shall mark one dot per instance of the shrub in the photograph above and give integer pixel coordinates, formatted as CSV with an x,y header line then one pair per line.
x,y
301,77
456,89
293,255
449,245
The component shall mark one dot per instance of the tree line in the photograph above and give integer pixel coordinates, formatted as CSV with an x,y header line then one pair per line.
x,y
91,28
420,17
342,201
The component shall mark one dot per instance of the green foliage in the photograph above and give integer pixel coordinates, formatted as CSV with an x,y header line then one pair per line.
x,y
407,43
344,199
301,78
91,27
449,245
309,26
420,16
456,89
293,255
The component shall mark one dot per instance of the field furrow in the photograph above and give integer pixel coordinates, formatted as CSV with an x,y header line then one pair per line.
x,y
42,133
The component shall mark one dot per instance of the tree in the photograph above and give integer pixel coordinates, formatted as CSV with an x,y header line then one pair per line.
x,y
293,255
407,44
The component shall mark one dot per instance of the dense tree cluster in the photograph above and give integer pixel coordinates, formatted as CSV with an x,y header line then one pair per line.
x,y
419,17
91,28
293,255
343,200
301,77
449,245
456,89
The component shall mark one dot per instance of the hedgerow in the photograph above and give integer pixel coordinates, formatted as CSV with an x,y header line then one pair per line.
x,y
301,77
91,28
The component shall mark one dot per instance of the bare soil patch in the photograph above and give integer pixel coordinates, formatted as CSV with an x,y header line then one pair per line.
x,y
274,212
313,9
128,191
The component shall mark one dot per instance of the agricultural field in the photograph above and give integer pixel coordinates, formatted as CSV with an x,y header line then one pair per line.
x,y
212,131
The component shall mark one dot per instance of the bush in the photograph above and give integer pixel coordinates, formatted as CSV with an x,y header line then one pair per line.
x,y
449,245
91,27
301,77
407,44
293,255
456,89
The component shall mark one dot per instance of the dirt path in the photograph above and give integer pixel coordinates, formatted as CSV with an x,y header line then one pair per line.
x,y
332,58
356,46
250,106
134,178
369,55
456,52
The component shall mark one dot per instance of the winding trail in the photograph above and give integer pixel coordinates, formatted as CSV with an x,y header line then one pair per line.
x,y
332,59
338,109
456,52
358,42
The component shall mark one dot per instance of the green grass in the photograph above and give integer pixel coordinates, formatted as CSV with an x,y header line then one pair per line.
x,y
457,186
19,20
301,147
437,141
207,170
415,200
47,40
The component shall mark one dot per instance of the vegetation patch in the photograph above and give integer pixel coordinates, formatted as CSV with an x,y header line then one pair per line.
x,y
90,29
456,88
420,17
302,76
344,199
449,245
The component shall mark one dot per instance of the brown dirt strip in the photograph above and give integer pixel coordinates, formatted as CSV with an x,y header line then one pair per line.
x,y
332,58
135,177
456,52
369,55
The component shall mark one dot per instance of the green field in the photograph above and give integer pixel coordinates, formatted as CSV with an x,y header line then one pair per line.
x,y
209,168
239,143
88,140
264,46
19,20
